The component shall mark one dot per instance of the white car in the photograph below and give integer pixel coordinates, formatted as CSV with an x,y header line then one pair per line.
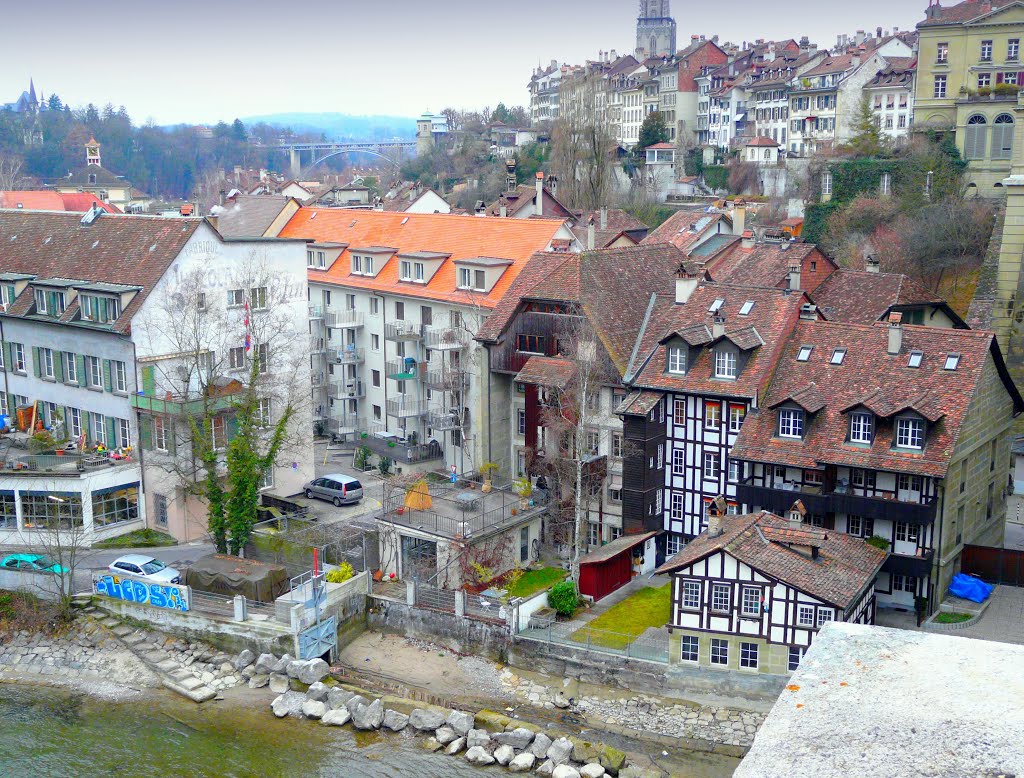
x,y
146,567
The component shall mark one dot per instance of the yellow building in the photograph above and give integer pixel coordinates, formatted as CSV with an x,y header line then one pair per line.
x,y
968,72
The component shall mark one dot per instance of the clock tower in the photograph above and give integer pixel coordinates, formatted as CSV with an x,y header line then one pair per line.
x,y
655,30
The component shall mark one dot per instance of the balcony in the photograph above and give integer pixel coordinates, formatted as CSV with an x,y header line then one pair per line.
x,y
779,498
905,564
445,338
349,389
349,356
884,507
446,379
403,369
344,318
317,344
316,312
404,407
177,406
398,447
403,331
444,419
345,424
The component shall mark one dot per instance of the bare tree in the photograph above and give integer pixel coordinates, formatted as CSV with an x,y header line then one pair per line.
x,y
10,172
583,146
60,536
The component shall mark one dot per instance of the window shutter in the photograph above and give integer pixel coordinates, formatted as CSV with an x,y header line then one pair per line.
x,y
58,366
112,441
149,380
106,375
87,426
172,442
146,432
10,293
83,379
231,427
7,356
35,360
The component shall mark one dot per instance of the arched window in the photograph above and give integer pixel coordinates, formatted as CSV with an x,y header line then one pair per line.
x,y
976,137
1002,137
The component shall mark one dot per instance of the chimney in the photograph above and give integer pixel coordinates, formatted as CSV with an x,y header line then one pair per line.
x,y
539,201
480,209
718,327
714,525
794,278
878,32
687,280
871,264
796,515
860,37
739,219
591,234
895,333
604,217
748,239
503,210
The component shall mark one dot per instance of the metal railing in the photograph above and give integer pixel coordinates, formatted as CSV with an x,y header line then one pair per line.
x,y
63,463
402,330
479,606
579,637
349,356
445,338
316,312
461,520
403,369
446,379
344,318
436,599
405,407
351,388
444,420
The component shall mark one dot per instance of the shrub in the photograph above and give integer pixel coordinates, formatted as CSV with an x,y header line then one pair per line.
x,y
563,598
878,542
1005,89
384,466
340,574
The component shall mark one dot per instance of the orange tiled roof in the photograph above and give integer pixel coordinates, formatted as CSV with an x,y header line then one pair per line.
x,y
463,237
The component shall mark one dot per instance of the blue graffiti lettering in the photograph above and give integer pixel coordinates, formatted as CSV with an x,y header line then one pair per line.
x,y
157,595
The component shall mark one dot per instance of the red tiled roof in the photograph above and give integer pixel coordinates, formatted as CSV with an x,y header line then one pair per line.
x,y
966,11
662,146
869,376
525,195
462,237
547,371
618,222
844,566
767,264
774,313
684,228
42,200
119,249
80,202
762,140
861,297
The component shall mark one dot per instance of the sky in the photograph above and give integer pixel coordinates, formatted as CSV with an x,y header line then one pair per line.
x,y
200,63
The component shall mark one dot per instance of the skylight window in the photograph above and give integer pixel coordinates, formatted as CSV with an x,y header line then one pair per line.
x,y
805,353
716,305
838,356
915,359
952,360
748,306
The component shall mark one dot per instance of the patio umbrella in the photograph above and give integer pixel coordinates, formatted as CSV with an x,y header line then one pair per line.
x,y
418,497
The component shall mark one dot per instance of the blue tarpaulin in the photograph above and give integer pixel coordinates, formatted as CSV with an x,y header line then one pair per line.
x,y
967,587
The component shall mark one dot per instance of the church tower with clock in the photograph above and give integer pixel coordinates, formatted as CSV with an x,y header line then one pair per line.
x,y
655,30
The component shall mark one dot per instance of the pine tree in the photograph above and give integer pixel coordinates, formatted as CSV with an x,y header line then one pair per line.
x,y
652,131
868,140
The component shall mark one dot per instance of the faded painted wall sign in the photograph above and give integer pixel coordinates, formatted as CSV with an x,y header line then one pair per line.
x,y
167,596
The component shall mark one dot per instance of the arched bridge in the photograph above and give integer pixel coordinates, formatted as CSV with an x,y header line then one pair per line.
x,y
315,153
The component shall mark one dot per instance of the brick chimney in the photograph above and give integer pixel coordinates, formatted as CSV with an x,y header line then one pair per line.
x,y
895,333
794,278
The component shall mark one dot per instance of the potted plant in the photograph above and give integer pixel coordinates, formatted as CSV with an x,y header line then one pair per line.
x,y
487,470
524,489
414,438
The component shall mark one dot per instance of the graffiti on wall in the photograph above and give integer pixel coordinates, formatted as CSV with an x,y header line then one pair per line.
x,y
167,596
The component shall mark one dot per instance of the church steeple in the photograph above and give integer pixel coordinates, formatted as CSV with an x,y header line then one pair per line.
x,y
92,152
655,30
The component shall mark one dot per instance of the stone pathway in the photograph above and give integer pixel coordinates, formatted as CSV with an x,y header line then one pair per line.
x,y
643,713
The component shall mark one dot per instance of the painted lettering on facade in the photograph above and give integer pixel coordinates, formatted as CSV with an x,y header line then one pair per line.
x,y
167,596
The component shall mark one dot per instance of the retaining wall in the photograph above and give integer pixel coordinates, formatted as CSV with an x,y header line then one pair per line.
x,y
462,635
42,585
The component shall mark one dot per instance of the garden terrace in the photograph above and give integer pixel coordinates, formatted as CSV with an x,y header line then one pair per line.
x,y
462,510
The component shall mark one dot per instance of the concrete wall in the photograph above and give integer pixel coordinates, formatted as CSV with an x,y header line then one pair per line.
x,y
464,636
43,585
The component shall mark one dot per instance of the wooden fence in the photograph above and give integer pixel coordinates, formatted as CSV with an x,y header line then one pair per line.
x,y
994,565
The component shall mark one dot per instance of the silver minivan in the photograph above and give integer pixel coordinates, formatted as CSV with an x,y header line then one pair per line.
x,y
338,488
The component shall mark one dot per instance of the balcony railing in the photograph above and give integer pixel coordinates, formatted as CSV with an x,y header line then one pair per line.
x,y
888,506
401,330
317,344
315,312
350,356
173,406
349,389
347,423
444,419
446,379
779,498
344,318
907,564
403,369
405,407
445,338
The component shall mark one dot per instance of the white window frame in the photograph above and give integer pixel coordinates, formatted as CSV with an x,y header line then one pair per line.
x,y
805,615
910,433
748,655
715,601
258,298
99,428
907,532
677,360
18,357
719,652
120,376
94,367
124,433
750,594
689,592
236,298
678,461
822,616
70,367
737,413
726,363
160,433
712,465
862,427
676,510
46,358
689,649
791,423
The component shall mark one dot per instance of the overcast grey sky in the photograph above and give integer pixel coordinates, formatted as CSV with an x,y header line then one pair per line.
x,y
200,62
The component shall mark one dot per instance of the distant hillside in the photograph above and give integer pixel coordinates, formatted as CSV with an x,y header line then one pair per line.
x,y
341,126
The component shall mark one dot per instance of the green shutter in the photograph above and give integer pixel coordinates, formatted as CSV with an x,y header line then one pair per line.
x,y
106,375
10,293
35,361
231,427
58,366
112,441
87,427
146,432
149,380
7,356
83,379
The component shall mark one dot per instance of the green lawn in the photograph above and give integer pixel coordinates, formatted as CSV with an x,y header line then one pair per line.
x,y
140,538
534,581
952,618
648,607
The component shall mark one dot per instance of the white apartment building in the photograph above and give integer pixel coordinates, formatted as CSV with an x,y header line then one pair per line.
x,y
891,95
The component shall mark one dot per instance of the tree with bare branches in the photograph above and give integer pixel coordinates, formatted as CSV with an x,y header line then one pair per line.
x,y
583,147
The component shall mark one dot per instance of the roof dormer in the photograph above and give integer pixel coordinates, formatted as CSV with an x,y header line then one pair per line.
x,y
418,267
479,274
11,286
322,255
369,260
52,296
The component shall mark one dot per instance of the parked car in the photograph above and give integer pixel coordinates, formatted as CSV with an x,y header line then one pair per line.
x,y
338,488
36,563
142,566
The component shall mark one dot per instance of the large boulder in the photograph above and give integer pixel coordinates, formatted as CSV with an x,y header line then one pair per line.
x,y
355,701
540,745
288,704
258,681
565,771
460,721
455,746
522,763
426,720
318,691
491,720
395,721
278,683
244,659
369,717
546,768
281,665
519,738
313,709
478,737
560,751
591,770
294,666
445,735
612,759
336,718
265,664
312,671
337,698
584,750
504,754
478,756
